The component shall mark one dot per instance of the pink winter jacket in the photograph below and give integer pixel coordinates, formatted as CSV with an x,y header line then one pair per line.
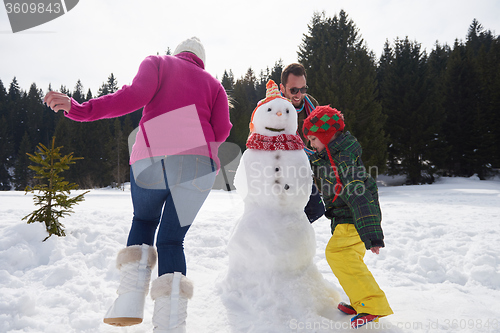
x,y
185,108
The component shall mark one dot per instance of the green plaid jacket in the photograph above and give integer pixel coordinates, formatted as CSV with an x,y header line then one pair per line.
x,y
357,202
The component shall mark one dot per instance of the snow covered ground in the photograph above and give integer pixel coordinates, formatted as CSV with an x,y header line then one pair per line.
x,y
440,268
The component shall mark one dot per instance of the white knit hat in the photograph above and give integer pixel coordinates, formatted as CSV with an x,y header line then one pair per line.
x,y
192,45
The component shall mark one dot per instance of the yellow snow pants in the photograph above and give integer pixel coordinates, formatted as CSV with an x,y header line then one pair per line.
x,y
344,253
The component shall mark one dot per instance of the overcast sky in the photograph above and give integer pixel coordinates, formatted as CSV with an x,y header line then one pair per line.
x,y
99,37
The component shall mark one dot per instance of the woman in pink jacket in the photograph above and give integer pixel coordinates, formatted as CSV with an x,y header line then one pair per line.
x,y
173,167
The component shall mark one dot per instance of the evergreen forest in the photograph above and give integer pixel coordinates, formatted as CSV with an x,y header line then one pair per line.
x,y
416,113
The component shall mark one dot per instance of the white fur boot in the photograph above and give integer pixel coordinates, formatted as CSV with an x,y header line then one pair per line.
x,y
135,264
171,293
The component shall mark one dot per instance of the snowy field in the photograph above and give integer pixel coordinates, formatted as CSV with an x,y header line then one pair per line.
x,y
440,268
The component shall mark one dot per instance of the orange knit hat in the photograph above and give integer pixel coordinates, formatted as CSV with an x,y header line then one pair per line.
x,y
272,92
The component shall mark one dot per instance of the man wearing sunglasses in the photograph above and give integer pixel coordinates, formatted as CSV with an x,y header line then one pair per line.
x,y
294,87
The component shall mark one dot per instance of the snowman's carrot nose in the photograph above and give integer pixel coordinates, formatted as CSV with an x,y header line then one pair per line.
x,y
279,114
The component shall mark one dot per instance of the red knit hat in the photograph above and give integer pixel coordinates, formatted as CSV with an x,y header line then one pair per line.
x,y
323,123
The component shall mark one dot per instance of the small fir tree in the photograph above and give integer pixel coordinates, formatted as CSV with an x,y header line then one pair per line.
x,y
54,201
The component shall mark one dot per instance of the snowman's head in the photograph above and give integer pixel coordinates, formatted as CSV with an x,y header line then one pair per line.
x,y
275,117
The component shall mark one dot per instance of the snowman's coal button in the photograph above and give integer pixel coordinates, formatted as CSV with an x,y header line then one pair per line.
x,y
287,187
277,169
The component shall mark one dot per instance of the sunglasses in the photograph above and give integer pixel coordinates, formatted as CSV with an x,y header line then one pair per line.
x,y
302,90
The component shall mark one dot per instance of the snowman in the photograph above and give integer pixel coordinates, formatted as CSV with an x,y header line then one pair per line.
x,y
271,274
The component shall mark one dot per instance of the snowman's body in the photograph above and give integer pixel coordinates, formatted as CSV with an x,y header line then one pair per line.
x,y
275,186
272,247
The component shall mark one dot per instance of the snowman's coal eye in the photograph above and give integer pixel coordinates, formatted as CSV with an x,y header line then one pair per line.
x,y
269,110
287,111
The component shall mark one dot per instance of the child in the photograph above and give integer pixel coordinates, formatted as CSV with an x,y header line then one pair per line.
x,y
351,201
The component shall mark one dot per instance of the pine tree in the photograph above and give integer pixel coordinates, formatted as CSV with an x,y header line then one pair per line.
x,y
249,83
119,154
109,87
3,97
478,37
494,88
55,201
67,131
384,62
413,120
112,84
23,176
276,72
16,113
228,84
260,84
127,129
51,119
103,90
93,142
342,72
481,47
78,94
14,90
461,105
88,97
6,142
244,102
269,74
228,81
64,90
35,114
484,122
437,62
6,155
72,136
